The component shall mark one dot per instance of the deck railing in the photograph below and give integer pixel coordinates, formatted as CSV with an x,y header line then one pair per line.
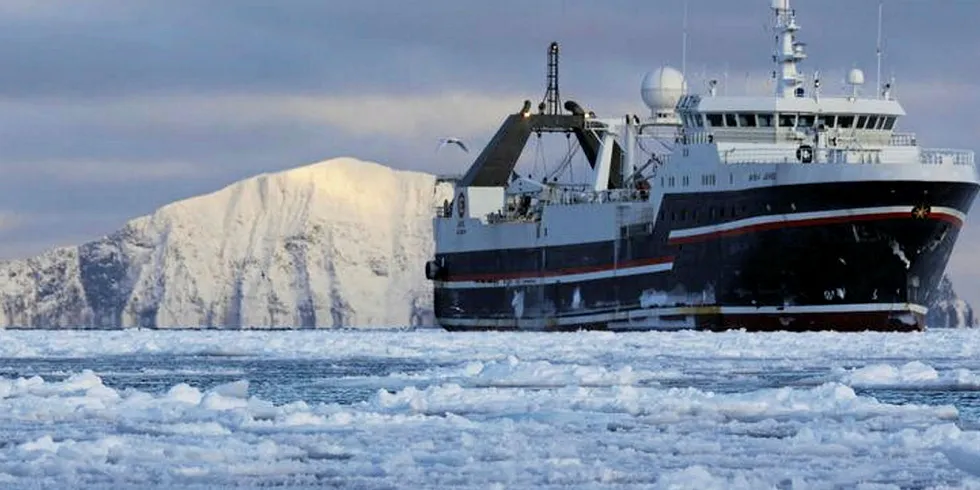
x,y
927,156
790,155
903,139
941,156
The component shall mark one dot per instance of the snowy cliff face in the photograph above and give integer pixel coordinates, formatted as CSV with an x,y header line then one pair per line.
x,y
338,243
948,310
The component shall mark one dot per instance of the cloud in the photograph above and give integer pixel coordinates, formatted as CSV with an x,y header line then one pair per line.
x,y
108,172
377,114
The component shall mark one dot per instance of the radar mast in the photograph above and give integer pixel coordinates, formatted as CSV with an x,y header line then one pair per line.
x,y
789,51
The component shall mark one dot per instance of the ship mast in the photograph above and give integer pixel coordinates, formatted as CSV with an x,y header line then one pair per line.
x,y
789,51
552,99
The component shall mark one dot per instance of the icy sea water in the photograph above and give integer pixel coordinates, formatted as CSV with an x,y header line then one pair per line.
x,y
431,409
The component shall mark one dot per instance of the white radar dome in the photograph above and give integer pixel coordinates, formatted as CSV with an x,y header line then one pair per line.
x,y
663,88
855,77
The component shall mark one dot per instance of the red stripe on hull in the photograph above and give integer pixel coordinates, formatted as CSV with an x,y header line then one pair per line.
x,y
807,222
559,272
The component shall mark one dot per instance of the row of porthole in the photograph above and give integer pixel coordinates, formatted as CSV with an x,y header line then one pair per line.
x,y
713,212
706,179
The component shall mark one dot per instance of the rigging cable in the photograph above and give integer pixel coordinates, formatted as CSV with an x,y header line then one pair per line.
x,y
539,159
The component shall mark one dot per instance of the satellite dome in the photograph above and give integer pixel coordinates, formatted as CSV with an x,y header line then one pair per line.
x,y
663,88
855,77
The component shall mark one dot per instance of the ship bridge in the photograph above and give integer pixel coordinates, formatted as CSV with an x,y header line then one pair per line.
x,y
761,119
825,129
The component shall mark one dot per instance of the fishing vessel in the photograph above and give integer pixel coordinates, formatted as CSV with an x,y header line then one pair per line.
x,y
793,210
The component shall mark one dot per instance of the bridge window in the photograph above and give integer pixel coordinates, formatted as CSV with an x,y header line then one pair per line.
x,y
826,121
889,123
862,121
698,121
715,120
730,121
787,120
806,121
872,122
746,120
881,122
845,122
765,120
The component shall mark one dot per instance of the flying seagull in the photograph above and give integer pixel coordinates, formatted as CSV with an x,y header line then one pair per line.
x,y
452,141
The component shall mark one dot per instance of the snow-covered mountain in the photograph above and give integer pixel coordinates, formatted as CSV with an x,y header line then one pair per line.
x,y
337,243
949,310
341,242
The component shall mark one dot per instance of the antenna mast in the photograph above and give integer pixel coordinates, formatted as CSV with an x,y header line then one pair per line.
x,y
789,51
552,96
881,4
684,43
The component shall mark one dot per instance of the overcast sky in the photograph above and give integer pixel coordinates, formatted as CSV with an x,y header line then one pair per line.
x,y
112,108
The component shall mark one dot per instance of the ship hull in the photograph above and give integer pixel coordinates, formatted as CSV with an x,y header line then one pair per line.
x,y
889,318
840,256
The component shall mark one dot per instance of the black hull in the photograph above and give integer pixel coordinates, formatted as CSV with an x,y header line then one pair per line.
x,y
840,256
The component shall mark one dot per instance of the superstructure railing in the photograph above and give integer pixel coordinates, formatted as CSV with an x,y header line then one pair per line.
x,y
926,156
941,156
903,139
794,155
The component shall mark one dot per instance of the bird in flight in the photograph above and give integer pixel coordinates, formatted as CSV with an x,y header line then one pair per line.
x,y
452,141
